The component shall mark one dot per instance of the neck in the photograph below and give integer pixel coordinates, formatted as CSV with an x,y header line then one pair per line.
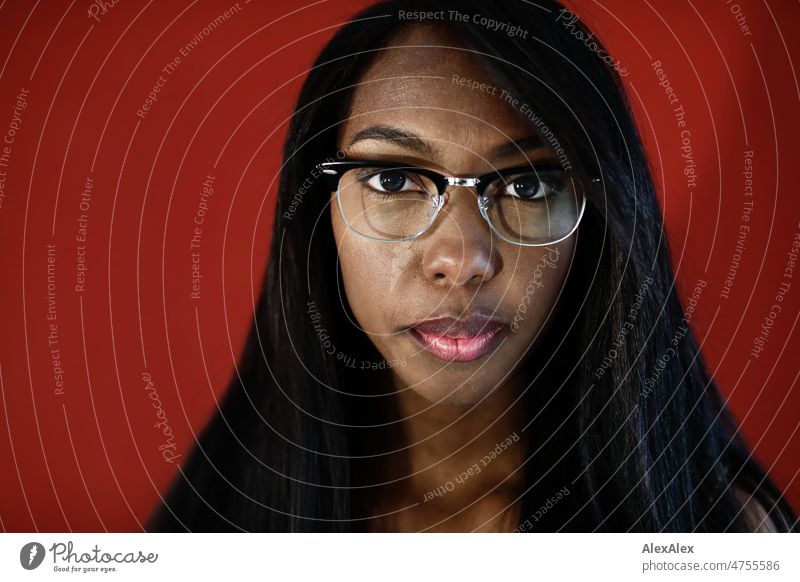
x,y
444,440
454,457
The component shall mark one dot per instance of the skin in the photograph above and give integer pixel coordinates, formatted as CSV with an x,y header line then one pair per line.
x,y
458,265
454,412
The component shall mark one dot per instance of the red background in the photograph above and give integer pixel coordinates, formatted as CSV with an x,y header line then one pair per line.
x,y
89,459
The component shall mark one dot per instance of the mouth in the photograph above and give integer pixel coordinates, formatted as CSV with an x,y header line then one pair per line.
x,y
460,341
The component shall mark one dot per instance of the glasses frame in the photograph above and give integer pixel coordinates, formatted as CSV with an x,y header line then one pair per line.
x,y
332,172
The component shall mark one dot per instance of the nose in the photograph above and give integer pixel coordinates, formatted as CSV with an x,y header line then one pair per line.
x,y
459,248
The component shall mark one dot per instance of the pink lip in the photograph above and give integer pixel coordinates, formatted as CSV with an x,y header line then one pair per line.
x,y
460,341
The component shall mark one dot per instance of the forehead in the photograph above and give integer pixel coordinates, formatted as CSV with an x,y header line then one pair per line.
x,y
425,83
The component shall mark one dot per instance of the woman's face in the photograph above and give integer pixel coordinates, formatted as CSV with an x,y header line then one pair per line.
x,y
455,311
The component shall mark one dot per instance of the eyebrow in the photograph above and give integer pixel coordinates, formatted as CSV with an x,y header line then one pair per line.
x,y
403,138
414,142
516,147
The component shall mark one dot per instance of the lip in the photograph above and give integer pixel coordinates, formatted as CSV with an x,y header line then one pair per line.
x,y
463,340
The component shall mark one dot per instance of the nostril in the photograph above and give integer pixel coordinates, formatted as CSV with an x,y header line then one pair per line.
x,y
456,264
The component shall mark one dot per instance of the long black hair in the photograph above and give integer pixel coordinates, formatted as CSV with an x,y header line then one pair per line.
x,y
631,431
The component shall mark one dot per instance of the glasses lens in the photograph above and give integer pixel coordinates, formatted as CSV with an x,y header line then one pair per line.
x,y
387,203
535,207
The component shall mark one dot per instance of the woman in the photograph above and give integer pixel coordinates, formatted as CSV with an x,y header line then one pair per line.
x,y
469,320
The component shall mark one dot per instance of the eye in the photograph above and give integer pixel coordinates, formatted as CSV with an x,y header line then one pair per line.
x,y
531,186
392,181
526,186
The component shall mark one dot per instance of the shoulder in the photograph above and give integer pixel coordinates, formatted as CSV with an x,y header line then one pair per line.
x,y
753,512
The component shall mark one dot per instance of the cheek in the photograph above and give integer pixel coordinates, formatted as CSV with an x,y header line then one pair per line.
x,y
536,287
371,274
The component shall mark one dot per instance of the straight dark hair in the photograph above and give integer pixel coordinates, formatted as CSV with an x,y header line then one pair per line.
x,y
627,417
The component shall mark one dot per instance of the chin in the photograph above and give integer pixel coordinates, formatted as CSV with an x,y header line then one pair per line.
x,y
455,393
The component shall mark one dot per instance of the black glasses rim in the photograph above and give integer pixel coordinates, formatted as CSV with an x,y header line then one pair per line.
x,y
439,179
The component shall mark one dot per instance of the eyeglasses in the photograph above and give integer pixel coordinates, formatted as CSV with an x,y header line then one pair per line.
x,y
532,205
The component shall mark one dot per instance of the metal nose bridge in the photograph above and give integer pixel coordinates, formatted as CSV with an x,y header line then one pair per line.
x,y
463,181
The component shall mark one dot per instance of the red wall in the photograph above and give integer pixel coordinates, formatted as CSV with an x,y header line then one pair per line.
x,y
89,458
